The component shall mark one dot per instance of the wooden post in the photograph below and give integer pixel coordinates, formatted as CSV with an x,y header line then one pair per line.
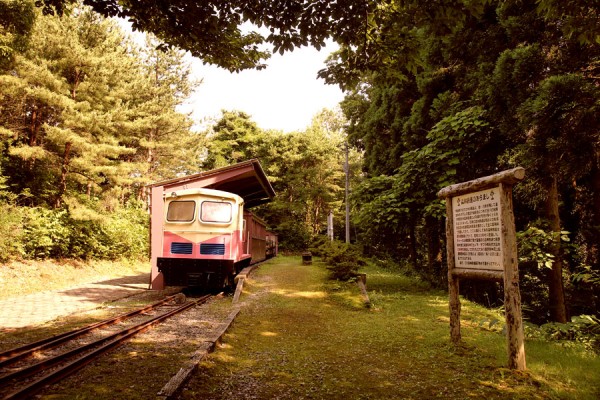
x,y
361,281
477,262
239,282
453,280
512,296
238,289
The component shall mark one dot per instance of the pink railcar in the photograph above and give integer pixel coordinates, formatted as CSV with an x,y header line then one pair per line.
x,y
208,238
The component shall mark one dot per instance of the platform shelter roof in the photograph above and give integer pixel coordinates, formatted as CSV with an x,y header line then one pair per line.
x,y
246,179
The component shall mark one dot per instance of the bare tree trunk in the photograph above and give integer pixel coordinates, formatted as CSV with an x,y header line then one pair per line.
x,y
34,127
62,187
413,244
434,249
558,311
593,254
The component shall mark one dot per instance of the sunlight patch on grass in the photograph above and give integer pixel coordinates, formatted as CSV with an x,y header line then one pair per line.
x,y
305,294
439,302
224,357
410,318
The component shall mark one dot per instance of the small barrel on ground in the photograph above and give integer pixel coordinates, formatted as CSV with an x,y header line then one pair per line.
x,y
306,258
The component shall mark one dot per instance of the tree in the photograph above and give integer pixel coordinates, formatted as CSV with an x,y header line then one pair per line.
x,y
15,27
214,30
62,109
305,169
87,113
160,135
231,140
461,90
562,147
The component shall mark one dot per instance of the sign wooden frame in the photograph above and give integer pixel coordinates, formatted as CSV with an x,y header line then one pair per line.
x,y
509,273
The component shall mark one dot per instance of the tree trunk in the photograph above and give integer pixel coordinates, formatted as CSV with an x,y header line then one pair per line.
x,y
434,249
558,311
413,244
34,127
593,254
62,187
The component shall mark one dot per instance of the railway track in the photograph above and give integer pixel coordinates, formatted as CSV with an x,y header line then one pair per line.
x,y
27,369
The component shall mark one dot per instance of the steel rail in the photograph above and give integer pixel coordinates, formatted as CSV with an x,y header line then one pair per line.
x,y
11,356
108,343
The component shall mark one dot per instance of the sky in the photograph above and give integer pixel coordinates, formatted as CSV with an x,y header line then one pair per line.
x,y
284,96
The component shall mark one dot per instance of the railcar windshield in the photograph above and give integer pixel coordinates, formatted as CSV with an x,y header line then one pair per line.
x,y
181,211
215,211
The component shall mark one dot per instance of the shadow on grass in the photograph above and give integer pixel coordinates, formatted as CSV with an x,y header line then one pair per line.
x,y
108,290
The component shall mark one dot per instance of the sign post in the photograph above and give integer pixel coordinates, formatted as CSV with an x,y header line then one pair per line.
x,y
481,244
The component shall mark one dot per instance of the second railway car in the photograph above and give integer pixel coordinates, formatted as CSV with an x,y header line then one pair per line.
x,y
208,238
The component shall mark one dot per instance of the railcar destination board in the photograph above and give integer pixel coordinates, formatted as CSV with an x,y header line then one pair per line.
x,y
478,230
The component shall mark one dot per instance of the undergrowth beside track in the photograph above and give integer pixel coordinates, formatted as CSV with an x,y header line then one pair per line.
x,y
300,336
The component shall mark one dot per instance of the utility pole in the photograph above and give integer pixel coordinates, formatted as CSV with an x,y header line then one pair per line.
x,y
347,170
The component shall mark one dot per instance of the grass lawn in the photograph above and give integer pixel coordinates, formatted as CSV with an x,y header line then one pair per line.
x,y
300,336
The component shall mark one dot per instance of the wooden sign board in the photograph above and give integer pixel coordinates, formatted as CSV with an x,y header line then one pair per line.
x,y
477,234
481,244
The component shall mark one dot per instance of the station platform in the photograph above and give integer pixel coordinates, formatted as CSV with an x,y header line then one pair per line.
x,y
38,308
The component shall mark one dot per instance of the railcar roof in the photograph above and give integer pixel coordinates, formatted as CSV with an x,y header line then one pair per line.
x,y
246,179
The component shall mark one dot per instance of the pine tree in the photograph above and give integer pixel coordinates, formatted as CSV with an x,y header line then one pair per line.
x,y
160,134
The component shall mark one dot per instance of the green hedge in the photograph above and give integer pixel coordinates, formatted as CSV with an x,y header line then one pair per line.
x,y
40,233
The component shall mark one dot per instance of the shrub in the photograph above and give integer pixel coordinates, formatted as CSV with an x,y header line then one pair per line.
x,y
46,233
127,230
11,224
293,236
50,233
88,240
343,259
583,329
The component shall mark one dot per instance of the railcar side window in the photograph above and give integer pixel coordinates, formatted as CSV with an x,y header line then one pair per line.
x,y
181,211
213,211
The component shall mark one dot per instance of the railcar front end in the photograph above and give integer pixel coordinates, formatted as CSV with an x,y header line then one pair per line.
x,y
204,239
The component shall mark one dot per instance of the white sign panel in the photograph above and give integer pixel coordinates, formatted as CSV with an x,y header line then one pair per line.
x,y
477,230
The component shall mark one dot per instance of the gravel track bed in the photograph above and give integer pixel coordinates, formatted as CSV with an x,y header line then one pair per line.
x,y
139,368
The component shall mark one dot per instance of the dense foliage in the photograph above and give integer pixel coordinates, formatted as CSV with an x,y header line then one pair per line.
x,y
87,118
459,90
305,169
218,31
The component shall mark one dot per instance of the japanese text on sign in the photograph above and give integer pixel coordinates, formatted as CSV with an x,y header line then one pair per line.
x,y
477,230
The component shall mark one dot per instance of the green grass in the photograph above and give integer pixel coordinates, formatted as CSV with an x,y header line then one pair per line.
x,y
300,336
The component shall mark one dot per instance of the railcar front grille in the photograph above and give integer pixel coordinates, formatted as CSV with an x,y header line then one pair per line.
x,y
217,249
181,248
